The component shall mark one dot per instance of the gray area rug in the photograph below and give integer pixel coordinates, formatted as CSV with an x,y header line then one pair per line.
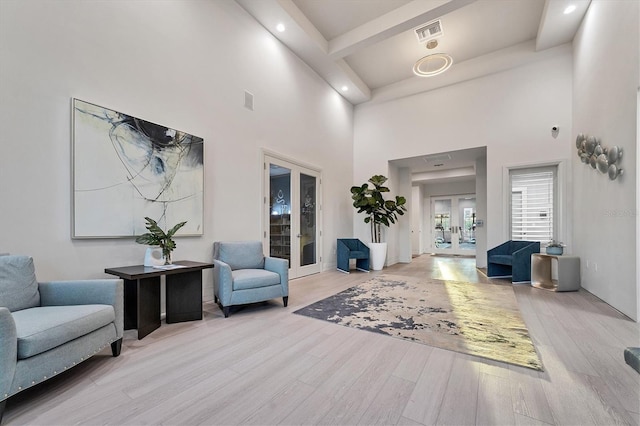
x,y
477,319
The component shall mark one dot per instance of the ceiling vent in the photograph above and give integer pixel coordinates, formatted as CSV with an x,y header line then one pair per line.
x,y
429,31
436,158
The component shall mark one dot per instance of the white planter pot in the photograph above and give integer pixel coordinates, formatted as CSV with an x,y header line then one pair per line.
x,y
377,255
153,256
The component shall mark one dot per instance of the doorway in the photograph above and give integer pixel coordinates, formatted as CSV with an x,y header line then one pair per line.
x,y
453,225
291,215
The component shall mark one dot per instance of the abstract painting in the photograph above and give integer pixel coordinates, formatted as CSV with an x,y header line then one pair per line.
x,y
126,168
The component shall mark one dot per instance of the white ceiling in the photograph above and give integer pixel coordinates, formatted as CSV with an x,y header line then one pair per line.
x,y
370,47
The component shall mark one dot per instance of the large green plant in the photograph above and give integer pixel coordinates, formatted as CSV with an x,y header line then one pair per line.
x,y
157,237
378,210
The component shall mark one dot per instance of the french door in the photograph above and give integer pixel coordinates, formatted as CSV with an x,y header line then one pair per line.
x,y
291,215
453,225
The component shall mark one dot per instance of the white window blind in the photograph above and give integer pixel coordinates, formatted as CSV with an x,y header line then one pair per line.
x,y
533,201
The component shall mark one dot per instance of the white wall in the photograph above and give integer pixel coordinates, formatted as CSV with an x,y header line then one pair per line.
x,y
184,64
605,105
511,113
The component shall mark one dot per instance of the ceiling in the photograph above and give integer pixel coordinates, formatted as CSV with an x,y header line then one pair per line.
x,y
366,49
369,46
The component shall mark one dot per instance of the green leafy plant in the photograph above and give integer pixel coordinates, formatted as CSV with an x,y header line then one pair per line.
x,y
378,210
157,237
554,243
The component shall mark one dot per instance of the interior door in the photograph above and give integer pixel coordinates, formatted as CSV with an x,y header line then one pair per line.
x,y
453,225
292,225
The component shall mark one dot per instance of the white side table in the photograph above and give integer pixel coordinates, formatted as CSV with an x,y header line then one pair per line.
x,y
568,272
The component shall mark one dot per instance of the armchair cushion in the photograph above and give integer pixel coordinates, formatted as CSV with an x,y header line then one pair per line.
x,y
244,279
18,284
240,254
43,328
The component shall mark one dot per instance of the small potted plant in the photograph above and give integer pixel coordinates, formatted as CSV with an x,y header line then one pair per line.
x,y
157,237
378,212
555,247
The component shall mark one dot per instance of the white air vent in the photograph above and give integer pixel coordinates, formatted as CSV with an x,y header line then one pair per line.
x,y
436,158
429,31
248,100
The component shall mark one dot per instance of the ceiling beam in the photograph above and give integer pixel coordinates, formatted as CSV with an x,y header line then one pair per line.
x,y
399,20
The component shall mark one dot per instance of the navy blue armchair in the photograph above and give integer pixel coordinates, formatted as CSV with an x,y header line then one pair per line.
x,y
352,248
512,258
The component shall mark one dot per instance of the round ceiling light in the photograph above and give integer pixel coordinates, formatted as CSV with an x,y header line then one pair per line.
x,y
432,65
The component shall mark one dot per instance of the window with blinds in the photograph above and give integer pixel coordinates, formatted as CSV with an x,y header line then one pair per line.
x,y
533,204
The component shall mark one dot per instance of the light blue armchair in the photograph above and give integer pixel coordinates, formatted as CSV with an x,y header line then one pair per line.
x,y
48,327
242,274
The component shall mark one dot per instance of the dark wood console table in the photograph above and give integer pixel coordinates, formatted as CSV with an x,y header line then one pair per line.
x,y
142,294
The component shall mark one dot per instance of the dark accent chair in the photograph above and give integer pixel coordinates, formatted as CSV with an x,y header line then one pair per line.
x,y
243,275
352,248
512,258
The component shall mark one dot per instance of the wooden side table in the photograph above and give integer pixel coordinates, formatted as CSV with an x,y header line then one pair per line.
x,y
568,272
142,294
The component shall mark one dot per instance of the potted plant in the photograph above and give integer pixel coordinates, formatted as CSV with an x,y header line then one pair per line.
x,y
157,237
555,247
378,212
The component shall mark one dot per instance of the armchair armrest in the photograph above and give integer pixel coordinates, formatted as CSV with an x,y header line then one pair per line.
x,y
86,292
281,267
8,351
503,248
222,281
527,251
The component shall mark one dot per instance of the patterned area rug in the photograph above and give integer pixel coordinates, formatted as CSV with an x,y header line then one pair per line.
x,y
477,319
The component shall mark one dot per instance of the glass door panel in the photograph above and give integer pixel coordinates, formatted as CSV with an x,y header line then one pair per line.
x,y
280,212
442,225
467,221
308,201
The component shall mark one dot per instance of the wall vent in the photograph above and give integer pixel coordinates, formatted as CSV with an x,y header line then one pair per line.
x,y
248,100
429,31
436,158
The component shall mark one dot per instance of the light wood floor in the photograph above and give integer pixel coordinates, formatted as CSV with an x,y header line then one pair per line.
x,y
264,365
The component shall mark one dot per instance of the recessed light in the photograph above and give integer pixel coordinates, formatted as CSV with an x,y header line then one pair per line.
x,y
344,88
280,27
569,9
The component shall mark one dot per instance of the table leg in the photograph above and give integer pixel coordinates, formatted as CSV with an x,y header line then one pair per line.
x,y
184,297
130,304
148,308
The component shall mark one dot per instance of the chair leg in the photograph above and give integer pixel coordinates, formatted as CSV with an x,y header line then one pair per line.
x,y
116,347
285,300
225,311
2,405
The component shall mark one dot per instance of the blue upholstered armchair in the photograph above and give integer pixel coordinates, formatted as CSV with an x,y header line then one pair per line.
x,y
512,258
48,327
242,274
352,248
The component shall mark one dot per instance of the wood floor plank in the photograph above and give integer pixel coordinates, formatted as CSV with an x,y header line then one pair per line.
x,y
494,401
412,363
352,405
527,394
463,385
425,401
386,408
